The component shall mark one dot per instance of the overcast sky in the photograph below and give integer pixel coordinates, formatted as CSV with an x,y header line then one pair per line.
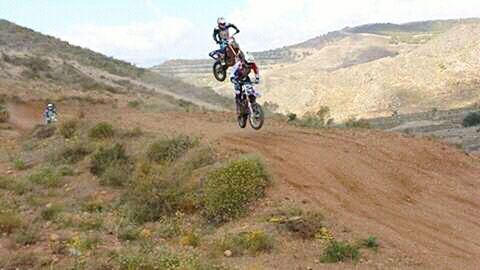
x,y
145,32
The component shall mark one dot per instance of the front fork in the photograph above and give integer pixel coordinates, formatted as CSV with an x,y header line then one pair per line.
x,y
250,102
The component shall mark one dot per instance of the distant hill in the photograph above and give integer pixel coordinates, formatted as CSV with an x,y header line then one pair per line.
x,y
366,71
30,58
289,54
423,26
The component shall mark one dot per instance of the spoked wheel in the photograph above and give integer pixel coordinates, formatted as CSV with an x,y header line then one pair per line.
x,y
242,120
242,116
219,71
257,118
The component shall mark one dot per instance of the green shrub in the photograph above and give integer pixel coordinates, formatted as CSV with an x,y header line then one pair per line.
x,y
169,227
253,242
20,260
27,236
47,177
101,131
320,119
134,258
371,243
106,157
51,212
68,128
19,186
116,175
93,205
152,195
130,259
354,123
472,119
4,115
339,252
200,157
170,149
228,190
81,244
91,222
5,182
133,133
20,164
291,117
9,221
65,170
134,103
72,154
190,238
128,232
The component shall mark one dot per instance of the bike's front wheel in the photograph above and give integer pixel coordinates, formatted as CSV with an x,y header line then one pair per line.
x,y
257,117
219,71
242,121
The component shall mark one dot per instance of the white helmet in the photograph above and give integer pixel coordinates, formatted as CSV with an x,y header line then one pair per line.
x,y
221,22
249,59
50,105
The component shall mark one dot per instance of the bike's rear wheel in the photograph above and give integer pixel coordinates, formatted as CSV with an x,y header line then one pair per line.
x,y
219,71
257,118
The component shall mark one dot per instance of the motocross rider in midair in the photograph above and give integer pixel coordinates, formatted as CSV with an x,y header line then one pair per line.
x,y
221,34
240,76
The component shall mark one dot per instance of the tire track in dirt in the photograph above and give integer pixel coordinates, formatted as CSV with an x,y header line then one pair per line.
x,y
25,116
417,195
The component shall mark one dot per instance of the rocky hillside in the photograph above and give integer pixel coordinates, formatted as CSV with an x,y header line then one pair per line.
x,y
370,70
31,61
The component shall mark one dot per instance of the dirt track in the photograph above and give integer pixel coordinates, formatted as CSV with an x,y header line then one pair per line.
x,y
420,197
24,116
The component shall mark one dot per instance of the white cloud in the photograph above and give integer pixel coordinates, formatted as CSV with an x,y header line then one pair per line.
x,y
267,24
264,24
136,42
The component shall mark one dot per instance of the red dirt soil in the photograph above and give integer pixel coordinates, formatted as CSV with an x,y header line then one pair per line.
x,y
419,196
24,116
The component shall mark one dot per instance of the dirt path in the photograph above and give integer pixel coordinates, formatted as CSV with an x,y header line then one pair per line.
x,y
420,197
416,195
25,116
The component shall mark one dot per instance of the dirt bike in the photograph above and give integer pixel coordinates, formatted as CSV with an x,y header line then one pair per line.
x,y
51,117
249,110
223,62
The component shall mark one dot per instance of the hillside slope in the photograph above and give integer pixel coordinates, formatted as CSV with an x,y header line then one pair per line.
x,y
420,197
439,74
407,191
29,58
373,70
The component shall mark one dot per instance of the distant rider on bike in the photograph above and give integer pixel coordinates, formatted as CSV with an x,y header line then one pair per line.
x,y
221,34
240,75
51,109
